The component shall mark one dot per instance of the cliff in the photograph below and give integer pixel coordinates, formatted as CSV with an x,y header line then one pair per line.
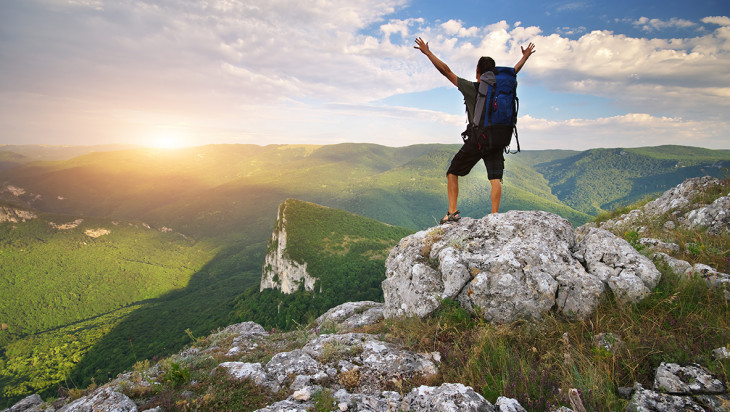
x,y
280,271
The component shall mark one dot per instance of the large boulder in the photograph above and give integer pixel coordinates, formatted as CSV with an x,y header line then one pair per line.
x,y
514,265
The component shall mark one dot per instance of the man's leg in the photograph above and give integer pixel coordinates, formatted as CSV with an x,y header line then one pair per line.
x,y
496,194
452,187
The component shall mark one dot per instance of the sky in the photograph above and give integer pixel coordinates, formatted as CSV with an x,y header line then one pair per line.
x,y
625,73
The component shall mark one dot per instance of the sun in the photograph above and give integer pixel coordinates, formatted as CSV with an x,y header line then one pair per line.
x,y
167,141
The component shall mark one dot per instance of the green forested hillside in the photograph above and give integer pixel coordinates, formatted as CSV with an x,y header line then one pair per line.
x,y
73,306
601,179
344,251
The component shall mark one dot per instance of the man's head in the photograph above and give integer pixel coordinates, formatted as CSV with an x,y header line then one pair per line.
x,y
484,65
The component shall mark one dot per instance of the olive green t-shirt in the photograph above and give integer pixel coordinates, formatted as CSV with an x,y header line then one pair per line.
x,y
469,91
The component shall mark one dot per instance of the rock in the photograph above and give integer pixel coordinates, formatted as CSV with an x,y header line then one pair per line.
x,y
386,401
629,275
288,405
514,265
669,225
279,271
283,366
95,233
712,277
245,329
659,246
689,379
449,397
103,399
9,214
504,404
351,315
714,218
240,370
510,266
31,403
608,341
672,202
678,266
646,400
721,353
508,405
303,394
66,226
625,392
679,196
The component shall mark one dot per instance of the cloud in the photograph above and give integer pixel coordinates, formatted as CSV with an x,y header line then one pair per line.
x,y
650,25
630,130
719,20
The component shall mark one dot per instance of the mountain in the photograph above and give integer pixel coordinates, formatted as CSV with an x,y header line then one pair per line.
x,y
318,257
599,180
57,152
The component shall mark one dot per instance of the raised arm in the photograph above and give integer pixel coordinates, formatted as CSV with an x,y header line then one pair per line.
x,y
440,66
526,53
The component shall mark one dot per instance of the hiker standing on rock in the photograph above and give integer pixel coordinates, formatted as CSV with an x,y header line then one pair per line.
x,y
470,154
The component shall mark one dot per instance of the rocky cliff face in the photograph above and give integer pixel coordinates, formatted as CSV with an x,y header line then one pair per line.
x,y
280,271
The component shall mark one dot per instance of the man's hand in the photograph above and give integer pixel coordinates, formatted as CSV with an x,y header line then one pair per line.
x,y
440,66
421,45
526,53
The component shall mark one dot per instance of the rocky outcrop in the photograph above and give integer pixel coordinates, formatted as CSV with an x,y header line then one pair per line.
x,y
351,315
681,388
106,399
280,271
9,214
677,202
514,265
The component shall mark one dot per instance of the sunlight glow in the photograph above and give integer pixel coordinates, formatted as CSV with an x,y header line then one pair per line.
x,y
167,140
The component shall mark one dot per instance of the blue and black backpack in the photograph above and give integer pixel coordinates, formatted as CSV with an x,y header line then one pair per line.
x,y
495,112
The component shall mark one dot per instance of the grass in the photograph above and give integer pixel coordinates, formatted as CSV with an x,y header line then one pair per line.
x,y
538,363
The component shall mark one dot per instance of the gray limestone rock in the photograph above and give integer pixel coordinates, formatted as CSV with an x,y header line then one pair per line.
x,y
449,397
715,217
659,246
31,403
645,400
504,404
351,315
104,399
721,353
240,370
689,379
288,405
286,365
514,265
629,274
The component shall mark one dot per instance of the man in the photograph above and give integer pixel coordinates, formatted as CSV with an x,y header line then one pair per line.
x,y
469,154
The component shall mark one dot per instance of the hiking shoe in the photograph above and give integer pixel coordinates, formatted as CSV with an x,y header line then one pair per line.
x,y
450,217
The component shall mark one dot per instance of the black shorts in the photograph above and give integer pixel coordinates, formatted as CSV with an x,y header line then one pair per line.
x,y
468,156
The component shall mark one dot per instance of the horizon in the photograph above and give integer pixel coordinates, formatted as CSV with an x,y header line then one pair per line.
x,y
99,72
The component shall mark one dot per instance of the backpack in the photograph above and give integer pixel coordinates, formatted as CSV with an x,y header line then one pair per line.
x,y
495,112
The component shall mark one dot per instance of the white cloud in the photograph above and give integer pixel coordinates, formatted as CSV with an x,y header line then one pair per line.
x,y
719,20
650,25
630,130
